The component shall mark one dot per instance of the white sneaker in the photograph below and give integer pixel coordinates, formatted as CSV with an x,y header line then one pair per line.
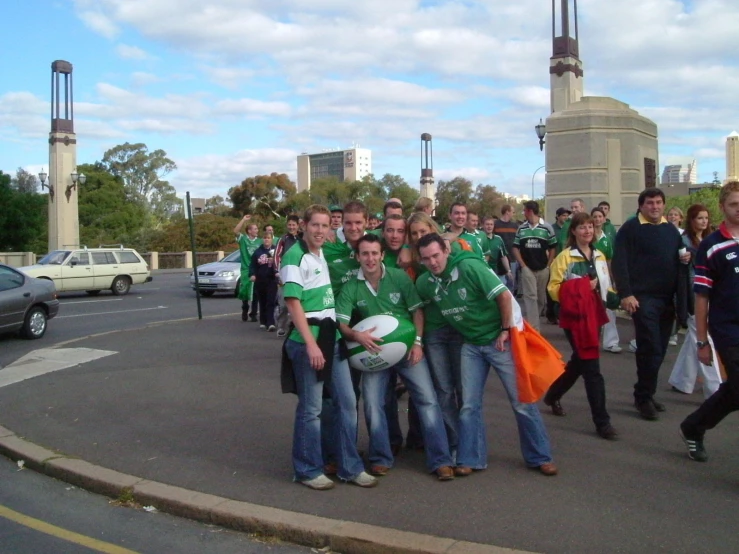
x,y
320,483
364,480
632,345
614,349
271,328
281,333
262,326
673,340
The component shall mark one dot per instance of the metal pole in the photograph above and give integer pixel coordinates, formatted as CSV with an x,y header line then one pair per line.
x,y
532,180
194,253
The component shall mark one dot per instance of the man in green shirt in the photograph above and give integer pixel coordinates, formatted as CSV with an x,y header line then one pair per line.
x,y
341,253
314,358
475,302
493,248
457,230
393,239
248,244
576,206
378,290
608,228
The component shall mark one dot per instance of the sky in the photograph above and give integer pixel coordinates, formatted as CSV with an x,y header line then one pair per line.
x,y
237,88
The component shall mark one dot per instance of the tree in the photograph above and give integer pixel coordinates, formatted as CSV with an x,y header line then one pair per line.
x,y
212,232
264,195
22,219
458,189
216,205
25,181
488,201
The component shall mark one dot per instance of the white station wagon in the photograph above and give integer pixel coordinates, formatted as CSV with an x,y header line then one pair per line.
x,y
92,270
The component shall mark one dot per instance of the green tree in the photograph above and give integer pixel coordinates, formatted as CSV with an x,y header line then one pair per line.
x,y
458,189
488,201
212,232
395,186
708,196
23,219
264,195
216,205
24,181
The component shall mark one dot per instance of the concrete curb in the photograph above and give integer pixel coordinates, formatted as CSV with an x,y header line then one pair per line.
x,y
340,536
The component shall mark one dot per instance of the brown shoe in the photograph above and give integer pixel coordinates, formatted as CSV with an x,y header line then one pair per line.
x,y
462,471
445,473
556,407
548,469
378,470
331,468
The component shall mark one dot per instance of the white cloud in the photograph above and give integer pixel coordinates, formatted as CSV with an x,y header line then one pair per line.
x,y
99,23
248,107
128,52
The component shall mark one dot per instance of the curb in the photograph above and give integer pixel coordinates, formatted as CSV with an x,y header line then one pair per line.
x,y
346,537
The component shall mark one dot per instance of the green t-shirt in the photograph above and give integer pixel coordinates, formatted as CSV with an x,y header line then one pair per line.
x,y
493,248
605,245
395,295
473,240
247,247
465,292
610,230
341,260
391,258
306,277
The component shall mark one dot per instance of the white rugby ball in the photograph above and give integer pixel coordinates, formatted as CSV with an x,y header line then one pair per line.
x,y
398,336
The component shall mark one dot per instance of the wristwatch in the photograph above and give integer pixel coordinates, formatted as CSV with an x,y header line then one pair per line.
x,y
701,344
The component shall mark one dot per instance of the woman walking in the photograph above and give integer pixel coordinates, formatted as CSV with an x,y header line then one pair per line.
x,y
580,282
687,367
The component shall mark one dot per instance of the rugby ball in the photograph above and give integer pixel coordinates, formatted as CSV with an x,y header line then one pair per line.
x,y
398,336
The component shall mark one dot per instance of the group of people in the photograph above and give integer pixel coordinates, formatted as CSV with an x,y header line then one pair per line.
x,y
455,286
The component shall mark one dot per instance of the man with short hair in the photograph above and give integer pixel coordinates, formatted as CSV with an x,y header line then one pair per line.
x,y
337,215
495,252
248,243
608,228
313,352
473,222
645,268
474,301
562,215
341,254
457,230
717,313
393,239
505,227
533,248
373,222
375,290
576,206
283,245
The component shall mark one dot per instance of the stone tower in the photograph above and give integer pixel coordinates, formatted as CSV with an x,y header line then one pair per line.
x,y
732,157
64,229
428,188
565,67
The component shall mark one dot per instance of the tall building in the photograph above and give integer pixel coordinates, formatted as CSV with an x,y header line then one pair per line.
x,y
346,165
681,173
732,157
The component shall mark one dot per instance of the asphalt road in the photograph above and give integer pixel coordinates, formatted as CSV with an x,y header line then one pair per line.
x,y
168,297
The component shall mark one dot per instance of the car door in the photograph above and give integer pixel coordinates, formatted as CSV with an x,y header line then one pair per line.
x,y
13,299
77,272
104,268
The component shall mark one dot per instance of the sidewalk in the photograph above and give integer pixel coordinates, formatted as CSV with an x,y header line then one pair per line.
x,y
191,414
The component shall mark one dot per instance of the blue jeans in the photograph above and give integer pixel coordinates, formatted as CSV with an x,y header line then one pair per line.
x,y
307,455
473,450
443,349
421,390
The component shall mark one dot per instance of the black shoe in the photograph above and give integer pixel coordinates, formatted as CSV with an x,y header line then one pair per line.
x,y
658,406
252,319
244,316
696,450
557,408
646,410
608,432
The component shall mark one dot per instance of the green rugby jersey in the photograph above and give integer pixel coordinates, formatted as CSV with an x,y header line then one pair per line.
x,y
395,295
247,247
605,245
342,261
306,277
473,240
493,248
534,244
465,293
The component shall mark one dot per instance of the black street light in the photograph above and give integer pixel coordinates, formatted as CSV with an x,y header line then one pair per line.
x,y
541,131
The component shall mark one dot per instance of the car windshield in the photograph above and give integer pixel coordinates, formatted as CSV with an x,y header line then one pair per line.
x,y
233,257
56,257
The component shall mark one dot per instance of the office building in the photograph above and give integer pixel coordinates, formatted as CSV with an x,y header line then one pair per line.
x,y
680,173
732,157
346,165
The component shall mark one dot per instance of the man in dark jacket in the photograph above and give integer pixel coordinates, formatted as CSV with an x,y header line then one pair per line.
x,y
645,267
263,274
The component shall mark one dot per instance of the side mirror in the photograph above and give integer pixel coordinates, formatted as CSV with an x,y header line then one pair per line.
x,y
74,261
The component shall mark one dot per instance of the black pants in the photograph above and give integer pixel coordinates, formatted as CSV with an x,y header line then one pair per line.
x,y
653,326
266,293
724,401
254,303
595,385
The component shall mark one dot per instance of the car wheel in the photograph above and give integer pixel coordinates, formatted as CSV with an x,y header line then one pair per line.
x,y
121,285
238,288
207,292
34,325
93,292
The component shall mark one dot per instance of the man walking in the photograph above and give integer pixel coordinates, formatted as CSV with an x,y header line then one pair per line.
x,y
283,245
717,313
645,270
533,249
248,243
475,302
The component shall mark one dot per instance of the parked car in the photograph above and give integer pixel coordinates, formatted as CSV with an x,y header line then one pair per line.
x,y
221,276
26,304
92,270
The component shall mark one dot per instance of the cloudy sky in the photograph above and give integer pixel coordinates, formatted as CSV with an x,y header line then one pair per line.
x,y
234,88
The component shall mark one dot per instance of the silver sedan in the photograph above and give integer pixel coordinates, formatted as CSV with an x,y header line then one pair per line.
x,y
26,303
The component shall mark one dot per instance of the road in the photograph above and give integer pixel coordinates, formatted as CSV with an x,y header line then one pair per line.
x,y
168,297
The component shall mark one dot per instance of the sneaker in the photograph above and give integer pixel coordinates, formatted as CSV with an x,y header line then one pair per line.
x,y
244,316
281,332
320,483
696,450
364,480
658,406
608,432
632,345
271,329
647,410
613,349
673,340
262,326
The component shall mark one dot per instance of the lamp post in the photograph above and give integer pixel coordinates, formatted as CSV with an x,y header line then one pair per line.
x,y
532,180
81,178
42,177
541,131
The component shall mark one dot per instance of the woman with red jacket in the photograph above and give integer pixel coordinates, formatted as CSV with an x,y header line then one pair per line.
x,y
580,282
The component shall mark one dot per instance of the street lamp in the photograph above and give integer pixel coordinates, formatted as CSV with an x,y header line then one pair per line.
x,y
532,180
541,131
42,177
81,178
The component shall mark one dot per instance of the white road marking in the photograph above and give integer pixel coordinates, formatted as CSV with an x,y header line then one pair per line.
x,y
91,301
111,313
46,360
